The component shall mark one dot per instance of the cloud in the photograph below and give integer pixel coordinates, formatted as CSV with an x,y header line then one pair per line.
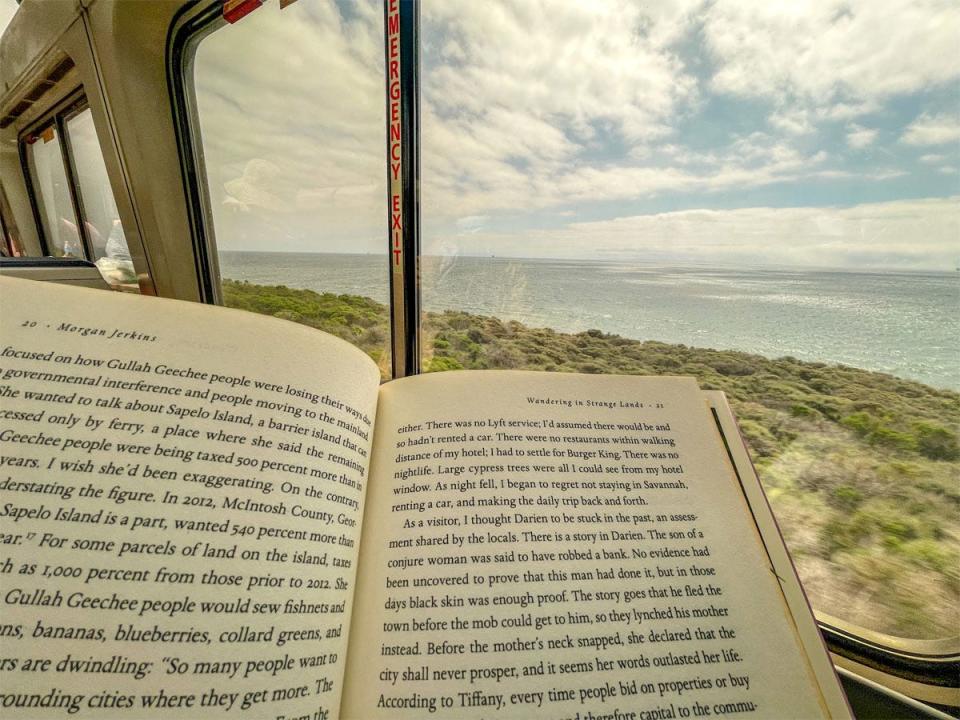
x,y
531,104
932,130
843,53
504,189
570,64
520,92
792,122
859,137
888,174
256,187
847,111
292,119
541,107
472,223
908,234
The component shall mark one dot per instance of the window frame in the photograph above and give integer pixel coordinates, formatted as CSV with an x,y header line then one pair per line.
x,y
10,243
72,105
189,27
933,663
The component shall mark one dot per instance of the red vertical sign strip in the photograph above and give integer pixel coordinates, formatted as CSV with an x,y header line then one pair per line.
x,y
394,144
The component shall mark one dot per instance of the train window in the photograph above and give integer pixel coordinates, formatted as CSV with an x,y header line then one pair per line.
x,y
72,195
108,245
10,245
52,193
289,103
761,199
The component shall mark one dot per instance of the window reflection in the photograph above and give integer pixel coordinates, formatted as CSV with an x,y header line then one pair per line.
x,y
52,192
101,217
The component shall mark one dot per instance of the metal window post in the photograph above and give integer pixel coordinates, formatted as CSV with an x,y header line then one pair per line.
x,y
402,74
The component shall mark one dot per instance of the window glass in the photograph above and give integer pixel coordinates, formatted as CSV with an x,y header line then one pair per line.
x,y
7,10
10,246
101,218
52,192
291,113
762,196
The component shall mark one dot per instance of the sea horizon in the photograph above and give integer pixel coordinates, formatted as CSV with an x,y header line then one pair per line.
x,y
905,323
665,262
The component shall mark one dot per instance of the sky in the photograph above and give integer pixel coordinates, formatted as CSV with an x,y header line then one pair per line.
x,y
742,132
7,9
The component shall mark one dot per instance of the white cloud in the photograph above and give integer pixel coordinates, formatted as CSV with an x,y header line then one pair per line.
x,y
847,111
841,53
888,174
571,65
532,105
908,234
472,223
859,137
792,122
291,107
932,159
932,130
503,188
522,92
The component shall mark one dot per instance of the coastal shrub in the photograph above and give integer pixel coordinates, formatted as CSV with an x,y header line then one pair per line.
x,y
458,321
372,337
476,335
733,367
895,532
537,360
933,555
504,357
799,410
760,440
873,430
867,406
473,350
441,364
289,315
589,368
936,442
845,498
843,533
497,328
821,385
888,437
667,362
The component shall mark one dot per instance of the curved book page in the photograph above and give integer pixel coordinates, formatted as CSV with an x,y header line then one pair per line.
x,y
552,545
179,509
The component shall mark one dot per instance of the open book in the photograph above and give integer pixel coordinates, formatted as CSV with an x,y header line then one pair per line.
x,y
210,513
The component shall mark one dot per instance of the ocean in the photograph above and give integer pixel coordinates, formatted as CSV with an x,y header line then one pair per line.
x,y
906,324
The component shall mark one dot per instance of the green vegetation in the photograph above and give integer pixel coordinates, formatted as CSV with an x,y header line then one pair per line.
x,y
860,467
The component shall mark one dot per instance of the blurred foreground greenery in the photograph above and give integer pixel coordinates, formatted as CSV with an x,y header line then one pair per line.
x,y
861,467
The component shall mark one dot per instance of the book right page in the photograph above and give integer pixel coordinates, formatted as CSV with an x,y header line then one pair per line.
x,y
553,545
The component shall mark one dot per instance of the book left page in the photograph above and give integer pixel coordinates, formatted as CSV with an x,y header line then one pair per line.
x,y
181,490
